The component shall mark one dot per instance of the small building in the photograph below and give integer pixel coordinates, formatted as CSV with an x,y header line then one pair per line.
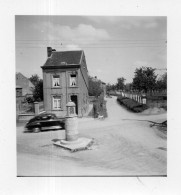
x,y
19,91
103,87
65,78
24,86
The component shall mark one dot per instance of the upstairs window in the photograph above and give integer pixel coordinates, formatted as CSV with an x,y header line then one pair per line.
x,y
56,80
73,80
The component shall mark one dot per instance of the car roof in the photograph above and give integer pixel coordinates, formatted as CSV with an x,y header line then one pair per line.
x,y
47,114
43,115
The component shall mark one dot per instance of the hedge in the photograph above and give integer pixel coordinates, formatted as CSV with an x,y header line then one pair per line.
x,y
131,104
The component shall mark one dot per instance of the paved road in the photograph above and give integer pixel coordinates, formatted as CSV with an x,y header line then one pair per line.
x,y
122,147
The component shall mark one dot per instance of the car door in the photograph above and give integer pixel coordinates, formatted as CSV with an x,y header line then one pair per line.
x,y
46,123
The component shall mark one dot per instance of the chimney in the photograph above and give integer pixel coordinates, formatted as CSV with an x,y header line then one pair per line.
x,y
49,51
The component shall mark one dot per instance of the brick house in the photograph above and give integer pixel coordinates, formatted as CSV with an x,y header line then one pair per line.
x,y
24,86
65,78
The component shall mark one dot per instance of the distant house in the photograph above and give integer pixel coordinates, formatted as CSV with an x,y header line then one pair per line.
x,y
24,86
19,91
103,87
65,78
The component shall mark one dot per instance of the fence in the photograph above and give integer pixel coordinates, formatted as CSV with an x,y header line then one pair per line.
x,y
151,98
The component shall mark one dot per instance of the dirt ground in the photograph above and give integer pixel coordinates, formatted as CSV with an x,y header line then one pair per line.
x,y
125,145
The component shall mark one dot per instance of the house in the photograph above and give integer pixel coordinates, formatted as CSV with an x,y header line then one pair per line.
x,y
19,90
24,86
65,78
103,87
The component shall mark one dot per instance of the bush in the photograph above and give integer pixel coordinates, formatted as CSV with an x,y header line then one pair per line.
x,y
131,104
30,99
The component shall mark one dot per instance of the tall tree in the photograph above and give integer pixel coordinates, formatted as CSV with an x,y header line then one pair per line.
x,y
34,79
120,83
144,79
38,90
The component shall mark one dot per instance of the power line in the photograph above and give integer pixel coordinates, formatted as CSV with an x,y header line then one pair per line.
x,y
143,46
120,43
90,39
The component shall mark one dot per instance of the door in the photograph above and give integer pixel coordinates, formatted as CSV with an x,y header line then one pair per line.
x,y
74,99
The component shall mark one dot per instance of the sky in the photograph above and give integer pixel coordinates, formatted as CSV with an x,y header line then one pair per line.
x,y
114,46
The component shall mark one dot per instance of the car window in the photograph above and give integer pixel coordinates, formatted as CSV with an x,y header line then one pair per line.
x,y
44,117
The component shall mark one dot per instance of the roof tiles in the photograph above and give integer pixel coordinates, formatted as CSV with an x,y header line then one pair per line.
x,y
59,58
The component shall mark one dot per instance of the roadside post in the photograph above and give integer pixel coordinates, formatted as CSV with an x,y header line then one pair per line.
x,y
36,106
71,122
72,140
144,98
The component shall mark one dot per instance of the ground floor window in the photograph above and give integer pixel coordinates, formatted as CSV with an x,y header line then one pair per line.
x,y
56,102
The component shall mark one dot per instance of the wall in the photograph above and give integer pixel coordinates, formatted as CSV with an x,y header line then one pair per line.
x,y
84,87
26,85
48,91
64,90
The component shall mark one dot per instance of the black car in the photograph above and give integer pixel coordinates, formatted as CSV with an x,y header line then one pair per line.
x,y
44,121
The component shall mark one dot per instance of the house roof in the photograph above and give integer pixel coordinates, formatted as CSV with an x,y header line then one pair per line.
x,y
21,81
62,58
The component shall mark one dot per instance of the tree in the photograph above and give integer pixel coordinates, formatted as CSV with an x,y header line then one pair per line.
x,y
34,79
111,87
120,83
38,89
161,83
144,79
128,86
94,87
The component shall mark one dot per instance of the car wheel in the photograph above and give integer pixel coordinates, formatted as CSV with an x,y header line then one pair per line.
x,y
36,130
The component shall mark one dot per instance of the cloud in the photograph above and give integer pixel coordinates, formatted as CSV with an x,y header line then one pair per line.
x,y
81,34
127,22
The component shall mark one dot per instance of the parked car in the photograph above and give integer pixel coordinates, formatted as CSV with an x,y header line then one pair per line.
x,y
43,122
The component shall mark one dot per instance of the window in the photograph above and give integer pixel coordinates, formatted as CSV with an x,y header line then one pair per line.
x,y
73,80
56,81
56,102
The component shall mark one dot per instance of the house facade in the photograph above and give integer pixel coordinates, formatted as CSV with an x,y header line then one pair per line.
x,y
24,86
65,78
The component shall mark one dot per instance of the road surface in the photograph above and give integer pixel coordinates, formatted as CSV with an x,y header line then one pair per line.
x,y
124,146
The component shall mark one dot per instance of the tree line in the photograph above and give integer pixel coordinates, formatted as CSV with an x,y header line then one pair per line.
x,y
145,79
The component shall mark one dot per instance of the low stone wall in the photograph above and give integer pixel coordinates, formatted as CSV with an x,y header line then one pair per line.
x,y
25,117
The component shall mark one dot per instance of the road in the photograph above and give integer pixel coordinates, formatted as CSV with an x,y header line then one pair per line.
x,y
124,146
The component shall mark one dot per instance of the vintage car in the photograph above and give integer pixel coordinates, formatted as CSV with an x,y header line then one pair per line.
x,y
45,121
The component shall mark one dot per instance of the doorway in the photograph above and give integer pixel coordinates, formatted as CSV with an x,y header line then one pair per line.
x,y
74,99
